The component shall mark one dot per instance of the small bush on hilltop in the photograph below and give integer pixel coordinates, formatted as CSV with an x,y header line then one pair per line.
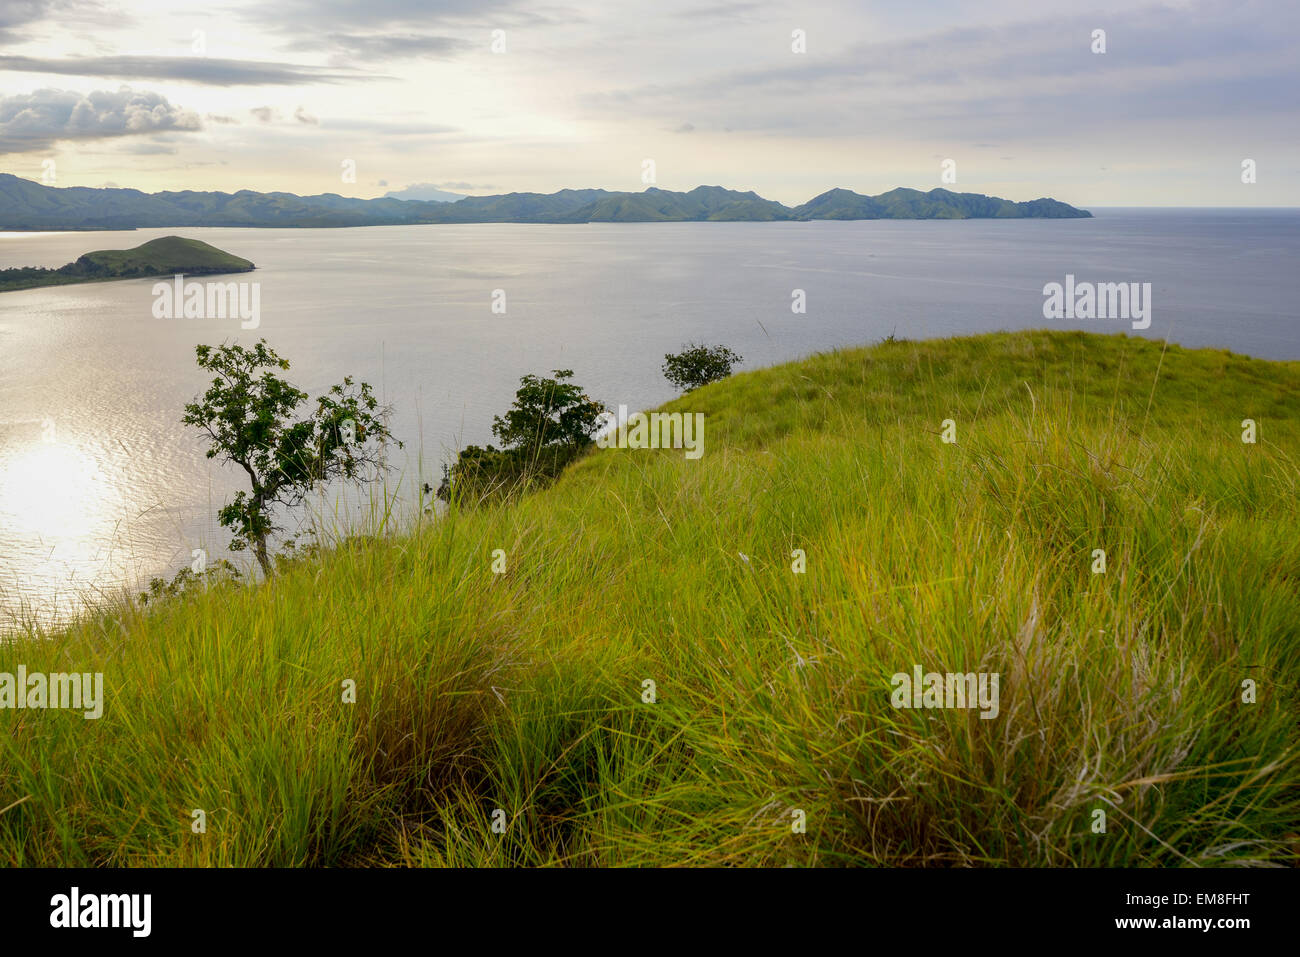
x,y
698,365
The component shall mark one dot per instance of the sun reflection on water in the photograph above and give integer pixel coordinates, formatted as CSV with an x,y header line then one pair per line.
x,y
50,489
54,506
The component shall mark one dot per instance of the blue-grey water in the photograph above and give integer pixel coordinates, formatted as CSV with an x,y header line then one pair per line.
x,y
101,487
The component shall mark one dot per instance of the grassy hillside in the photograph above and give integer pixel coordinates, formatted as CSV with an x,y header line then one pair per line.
x,y
523,691
164,256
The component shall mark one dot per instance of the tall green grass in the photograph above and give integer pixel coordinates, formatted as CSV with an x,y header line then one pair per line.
x,y
523,692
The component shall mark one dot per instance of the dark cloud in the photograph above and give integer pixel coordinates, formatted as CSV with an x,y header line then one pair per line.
x,y
35,121
209,71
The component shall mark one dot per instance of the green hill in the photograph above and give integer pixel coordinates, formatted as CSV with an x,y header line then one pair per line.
x,y
525,696
165,256
936,204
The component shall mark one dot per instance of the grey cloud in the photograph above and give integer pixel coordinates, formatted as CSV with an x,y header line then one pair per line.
x,y
264,114
1207,60
372,47
720,11
209,71
17,15
302,116
35,121
150,149
291,15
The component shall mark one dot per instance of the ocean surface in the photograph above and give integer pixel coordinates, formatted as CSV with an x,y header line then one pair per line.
x,y
101,487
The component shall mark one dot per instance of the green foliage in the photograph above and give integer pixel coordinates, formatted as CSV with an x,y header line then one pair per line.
x,y
28,277
698,365
248,414
548,412
551,422
185,578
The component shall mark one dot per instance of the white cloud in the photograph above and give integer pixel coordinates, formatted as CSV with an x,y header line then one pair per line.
x,y
35,121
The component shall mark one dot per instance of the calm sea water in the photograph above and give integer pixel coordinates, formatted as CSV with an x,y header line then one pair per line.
x,y
101,487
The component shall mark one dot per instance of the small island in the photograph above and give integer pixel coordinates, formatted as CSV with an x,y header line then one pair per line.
x,y
166,256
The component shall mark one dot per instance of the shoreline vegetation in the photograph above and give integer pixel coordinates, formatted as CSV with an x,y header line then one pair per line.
x,y
663,661
165,256
26,205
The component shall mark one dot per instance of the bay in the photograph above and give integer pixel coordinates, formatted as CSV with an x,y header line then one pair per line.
x,y
101,487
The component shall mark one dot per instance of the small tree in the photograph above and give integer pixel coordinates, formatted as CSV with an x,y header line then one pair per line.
x,y
698,365
248,413
551,422
548,412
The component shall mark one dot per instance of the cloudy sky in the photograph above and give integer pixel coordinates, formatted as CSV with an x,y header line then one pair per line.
x,y
277,95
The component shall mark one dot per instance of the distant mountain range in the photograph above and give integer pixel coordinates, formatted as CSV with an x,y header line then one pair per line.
x,y
28,205
424,191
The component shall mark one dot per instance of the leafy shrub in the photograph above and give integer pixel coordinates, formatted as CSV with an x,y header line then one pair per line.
x,y
550,424
698,365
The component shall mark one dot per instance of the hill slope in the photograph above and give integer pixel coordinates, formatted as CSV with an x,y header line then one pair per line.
x,y
527,691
